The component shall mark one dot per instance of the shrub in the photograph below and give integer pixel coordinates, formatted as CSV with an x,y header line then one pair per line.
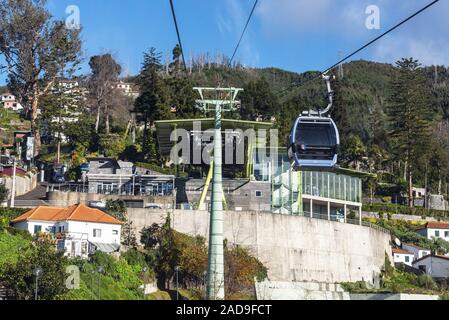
x,y
134,257
425,281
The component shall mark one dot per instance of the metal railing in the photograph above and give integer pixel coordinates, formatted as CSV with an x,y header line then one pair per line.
x,y
123,191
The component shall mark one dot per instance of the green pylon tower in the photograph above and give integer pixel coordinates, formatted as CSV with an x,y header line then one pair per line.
x,y
224,101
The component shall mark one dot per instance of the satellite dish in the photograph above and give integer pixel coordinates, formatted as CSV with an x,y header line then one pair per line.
x,y
397,241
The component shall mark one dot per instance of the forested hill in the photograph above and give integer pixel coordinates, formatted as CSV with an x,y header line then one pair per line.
x,y
362,94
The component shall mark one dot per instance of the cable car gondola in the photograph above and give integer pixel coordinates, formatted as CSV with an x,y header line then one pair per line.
x,y
314,140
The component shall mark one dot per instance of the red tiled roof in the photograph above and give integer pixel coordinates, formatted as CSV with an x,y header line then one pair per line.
x,y
78,212
434,225
400,251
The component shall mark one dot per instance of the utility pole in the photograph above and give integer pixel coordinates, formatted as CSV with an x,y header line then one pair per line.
x,y
340,66
13,189
224,101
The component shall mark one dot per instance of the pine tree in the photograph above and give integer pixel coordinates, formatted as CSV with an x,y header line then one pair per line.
x,y
410,117
61,108
154,100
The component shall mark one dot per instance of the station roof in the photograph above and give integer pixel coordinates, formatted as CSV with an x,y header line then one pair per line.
x,y
164,128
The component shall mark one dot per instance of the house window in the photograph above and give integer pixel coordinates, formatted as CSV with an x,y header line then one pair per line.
x,y
446,234
37,228
437,233
53,229
422,268
97,233
114,232
259,194
407,259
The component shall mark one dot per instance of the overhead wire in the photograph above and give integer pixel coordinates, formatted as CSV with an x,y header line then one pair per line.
x,y
179,39
363,47
243,32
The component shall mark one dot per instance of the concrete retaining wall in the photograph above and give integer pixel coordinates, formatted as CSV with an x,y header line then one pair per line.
x,y
72,198
24,184
293,248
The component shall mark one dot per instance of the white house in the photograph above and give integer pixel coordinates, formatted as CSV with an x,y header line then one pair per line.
x,y
402,256
435,230
79,230
417,251
435,266
126,89
9,102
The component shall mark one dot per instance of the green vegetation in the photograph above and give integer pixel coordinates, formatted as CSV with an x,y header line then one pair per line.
x,y
120,280
389,208
406,232
117,209
16,273
398,281
9,214
122,276
166,249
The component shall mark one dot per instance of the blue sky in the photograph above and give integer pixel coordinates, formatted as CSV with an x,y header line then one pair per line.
x,y
296,35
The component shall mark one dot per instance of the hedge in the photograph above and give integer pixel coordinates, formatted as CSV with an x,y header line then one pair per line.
x,y
405,210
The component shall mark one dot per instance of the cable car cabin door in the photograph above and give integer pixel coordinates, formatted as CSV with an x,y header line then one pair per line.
x,y
314,143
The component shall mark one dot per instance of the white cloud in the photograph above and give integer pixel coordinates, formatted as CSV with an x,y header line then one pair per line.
x,y
427,51
232,27
292,15
424,37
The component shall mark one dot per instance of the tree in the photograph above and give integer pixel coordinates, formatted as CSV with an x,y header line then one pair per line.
x,y
111,145
353,150
154,100
18,277
4,193
36,49
259,101
128,237
117,209
105,71
409,115
60,107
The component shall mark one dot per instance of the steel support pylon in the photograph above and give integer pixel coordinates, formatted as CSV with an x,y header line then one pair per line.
x,y
215,269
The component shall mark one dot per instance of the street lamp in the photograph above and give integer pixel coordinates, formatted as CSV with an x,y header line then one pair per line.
x,y
144,271
92,280
177,282
37,273
205,283
99,270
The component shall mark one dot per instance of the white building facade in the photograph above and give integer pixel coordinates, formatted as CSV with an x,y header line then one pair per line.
x,y
78,230
435,266
402,256
417,251
435,230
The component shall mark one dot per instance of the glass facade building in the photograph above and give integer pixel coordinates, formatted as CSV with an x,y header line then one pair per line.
x,y
289,188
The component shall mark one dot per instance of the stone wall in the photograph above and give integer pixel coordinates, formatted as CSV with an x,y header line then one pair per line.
x,y
24,184
293,248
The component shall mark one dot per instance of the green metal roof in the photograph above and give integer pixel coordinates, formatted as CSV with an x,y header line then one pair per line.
x,y
164,128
